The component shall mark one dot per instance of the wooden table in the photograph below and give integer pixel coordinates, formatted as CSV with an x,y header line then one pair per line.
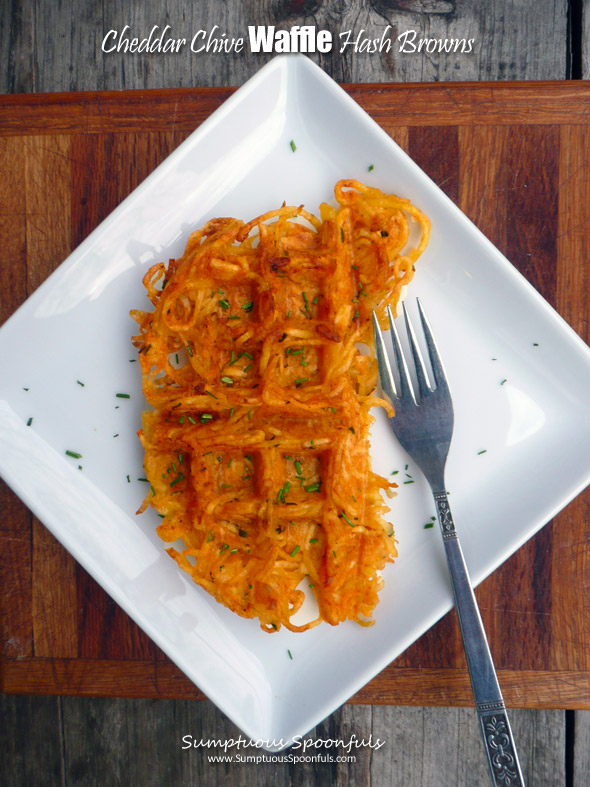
x,y
516,159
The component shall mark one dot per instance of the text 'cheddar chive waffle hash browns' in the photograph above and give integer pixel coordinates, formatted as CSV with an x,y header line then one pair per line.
x,y
257,446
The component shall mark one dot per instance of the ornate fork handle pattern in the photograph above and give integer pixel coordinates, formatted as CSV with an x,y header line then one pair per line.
x,y
493,719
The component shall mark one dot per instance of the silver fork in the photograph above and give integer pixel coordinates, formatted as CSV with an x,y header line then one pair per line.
x,y
423,425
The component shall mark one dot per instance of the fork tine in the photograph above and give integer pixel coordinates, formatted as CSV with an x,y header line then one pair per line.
x,y
385,375
405,383
421,373
440,378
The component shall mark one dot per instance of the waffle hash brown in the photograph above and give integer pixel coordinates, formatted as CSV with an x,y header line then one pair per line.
x,y
257,440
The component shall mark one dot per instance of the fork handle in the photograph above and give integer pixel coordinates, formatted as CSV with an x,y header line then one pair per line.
x,y
493,717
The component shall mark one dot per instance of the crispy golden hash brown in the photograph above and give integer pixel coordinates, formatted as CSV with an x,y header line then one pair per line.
x,y
257,448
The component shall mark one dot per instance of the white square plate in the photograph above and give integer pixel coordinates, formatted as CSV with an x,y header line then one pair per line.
x,y
76,327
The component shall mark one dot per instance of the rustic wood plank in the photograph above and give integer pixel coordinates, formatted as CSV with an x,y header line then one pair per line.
x,y
30,739
581,748
451,104
395,685
584,38
17,47
51,45
431,746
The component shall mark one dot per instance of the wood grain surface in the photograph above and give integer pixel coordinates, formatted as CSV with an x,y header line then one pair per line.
x,y
523,178
49,46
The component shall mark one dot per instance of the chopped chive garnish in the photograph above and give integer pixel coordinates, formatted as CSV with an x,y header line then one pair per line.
x,y
177,480
233,551
234,317
293,145
224,304
189,350
428,525
206,417
313,541
192,420
298,469
312,487
247,307
295,551
535,344
249,415
242,533
370,168
30,421
74,454
210,394
342,234
408,482
351,429
128,480
116,435
231,412
123,396
181,419
290,654
247,368
142,479
301,380
503,381
479,453
80,383
346,519
247,355
395,472
227,380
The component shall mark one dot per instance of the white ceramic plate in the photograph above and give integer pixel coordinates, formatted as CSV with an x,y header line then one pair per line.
x,y
76,327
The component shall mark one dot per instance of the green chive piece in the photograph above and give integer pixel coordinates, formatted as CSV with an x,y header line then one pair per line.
x,y
181,419
123,396
295,551
293,145
231,412
210,394
346,519
227,380
370,168
74,454
224,304
290,654
313,541
189,350
177,480
247,307
479,453
30,421
312,487
192,420
342,234
301,380
233,551
79,383
408,482
206,417
503,381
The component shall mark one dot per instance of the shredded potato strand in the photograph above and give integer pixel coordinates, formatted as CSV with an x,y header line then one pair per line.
x,y
257,443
